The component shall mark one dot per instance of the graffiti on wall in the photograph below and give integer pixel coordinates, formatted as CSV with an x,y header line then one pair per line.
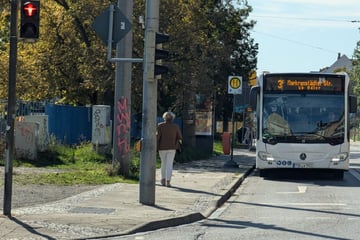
x,y
123,123
42,133
101,129
44,141
25,139
97,124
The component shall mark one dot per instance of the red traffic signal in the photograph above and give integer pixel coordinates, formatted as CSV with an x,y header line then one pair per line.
x,y
30,19
30,10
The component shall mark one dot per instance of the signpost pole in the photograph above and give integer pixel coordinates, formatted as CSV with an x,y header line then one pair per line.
x,y
122,99
234,87
231,163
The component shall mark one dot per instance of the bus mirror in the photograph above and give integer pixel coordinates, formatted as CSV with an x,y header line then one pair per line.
x,y
254,92
352,104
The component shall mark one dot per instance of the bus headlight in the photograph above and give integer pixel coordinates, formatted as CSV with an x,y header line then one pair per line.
x,y
265,156
340,157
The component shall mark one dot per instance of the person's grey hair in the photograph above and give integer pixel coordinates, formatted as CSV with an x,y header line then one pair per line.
x,y
168,116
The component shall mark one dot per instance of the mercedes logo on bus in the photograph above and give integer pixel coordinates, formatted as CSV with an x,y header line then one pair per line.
x,y
302,156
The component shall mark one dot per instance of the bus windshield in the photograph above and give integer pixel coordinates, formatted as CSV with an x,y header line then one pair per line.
x,y
303,118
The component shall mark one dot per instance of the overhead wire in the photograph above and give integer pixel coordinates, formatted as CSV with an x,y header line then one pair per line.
x,y
294,41
301,18
308,19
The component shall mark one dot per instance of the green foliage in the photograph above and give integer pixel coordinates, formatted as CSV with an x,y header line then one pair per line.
x,y
220,45
59,154
355,75
86,153
135,168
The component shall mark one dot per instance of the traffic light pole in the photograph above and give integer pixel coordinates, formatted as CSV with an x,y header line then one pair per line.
x,y
11,111
149,123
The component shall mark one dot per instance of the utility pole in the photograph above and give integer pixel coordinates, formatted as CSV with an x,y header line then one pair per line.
x,y
149,123
11,110
122,100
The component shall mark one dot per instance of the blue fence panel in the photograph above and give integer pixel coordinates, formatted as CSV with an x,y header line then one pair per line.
x,y
73,125
70,125
136,121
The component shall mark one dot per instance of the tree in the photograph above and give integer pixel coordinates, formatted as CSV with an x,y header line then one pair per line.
x,y
76,65
68,63
355,76
209,42
4,45
240,55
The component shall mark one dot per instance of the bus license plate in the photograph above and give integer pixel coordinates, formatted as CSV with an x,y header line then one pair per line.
x,y
303,165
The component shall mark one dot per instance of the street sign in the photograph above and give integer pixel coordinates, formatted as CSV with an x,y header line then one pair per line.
x,y
121,25
235,85
252,78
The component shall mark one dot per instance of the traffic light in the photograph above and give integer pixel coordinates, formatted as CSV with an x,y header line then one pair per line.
x,y
160,53
30,19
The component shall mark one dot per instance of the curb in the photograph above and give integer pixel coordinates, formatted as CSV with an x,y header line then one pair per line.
x,y
226,194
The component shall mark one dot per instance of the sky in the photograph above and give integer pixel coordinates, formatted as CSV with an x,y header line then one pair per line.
x,y
304,35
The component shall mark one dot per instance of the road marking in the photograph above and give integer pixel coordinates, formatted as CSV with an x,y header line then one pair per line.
x,y
320,218
317,204
301,189
305,204
355,174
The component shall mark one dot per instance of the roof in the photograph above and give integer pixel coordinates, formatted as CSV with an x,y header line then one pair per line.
x,y
341,62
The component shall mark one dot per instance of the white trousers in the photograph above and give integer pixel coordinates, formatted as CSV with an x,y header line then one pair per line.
x,y
167,160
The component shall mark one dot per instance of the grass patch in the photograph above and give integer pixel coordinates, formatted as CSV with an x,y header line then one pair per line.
x,y
81,164
72,165
73,177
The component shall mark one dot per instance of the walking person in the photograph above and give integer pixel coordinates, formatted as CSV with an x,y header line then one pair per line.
x,y
168,141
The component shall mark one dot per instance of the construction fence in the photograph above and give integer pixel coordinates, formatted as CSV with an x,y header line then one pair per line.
x,y
36,122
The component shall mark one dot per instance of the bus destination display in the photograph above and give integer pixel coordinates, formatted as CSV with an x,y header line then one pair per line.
x,y
293,83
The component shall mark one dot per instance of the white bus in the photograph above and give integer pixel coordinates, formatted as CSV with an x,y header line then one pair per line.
x,y
303,121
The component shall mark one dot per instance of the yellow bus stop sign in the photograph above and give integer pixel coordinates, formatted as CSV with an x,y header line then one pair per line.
x,y
235,85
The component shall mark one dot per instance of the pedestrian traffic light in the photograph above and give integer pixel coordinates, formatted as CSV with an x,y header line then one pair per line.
x,y
30,19
160,54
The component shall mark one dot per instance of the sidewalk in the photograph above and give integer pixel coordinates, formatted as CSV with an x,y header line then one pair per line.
x,y
198,188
